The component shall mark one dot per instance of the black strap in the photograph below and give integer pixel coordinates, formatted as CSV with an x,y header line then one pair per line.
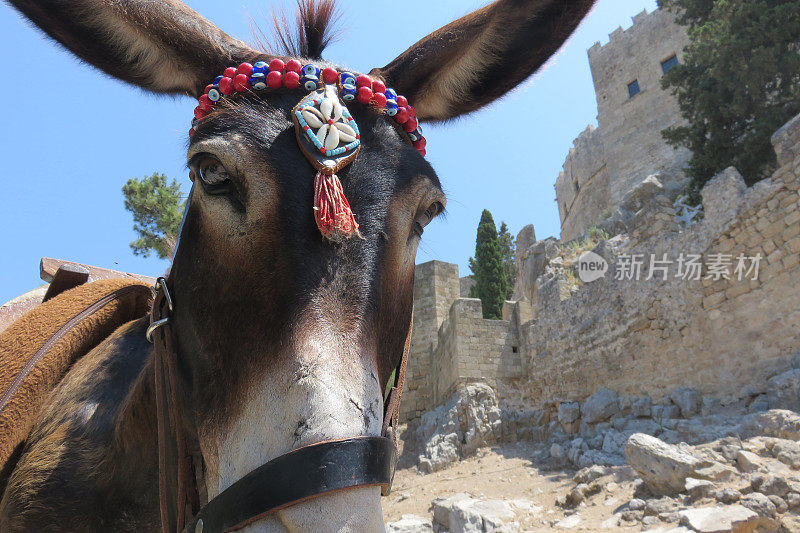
x,y
296,476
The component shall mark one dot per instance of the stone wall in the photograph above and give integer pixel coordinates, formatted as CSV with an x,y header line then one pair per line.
x,y
723,337
605,163
563,339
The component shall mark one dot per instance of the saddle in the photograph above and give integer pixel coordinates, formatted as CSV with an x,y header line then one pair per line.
x,y
80,308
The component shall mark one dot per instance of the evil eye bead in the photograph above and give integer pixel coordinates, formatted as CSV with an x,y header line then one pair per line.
x,y
391,107
310,70
391,94
258,82
214,95
348,78
414,135
348,93
216,80
261,67
310,82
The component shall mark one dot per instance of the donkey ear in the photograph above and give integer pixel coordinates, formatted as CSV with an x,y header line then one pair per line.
x,y
161,46
480,57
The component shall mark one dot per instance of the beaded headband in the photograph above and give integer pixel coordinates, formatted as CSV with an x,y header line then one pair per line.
x,y
326,131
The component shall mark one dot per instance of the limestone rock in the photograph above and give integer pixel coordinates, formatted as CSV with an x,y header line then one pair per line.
x,y
641,407
469,420
787,452
570,522
477,516
587,475
720,519
600,406
698,488
569,412
688,400
442,506
410,523
759,504
748,461
783,390
779,423
663,467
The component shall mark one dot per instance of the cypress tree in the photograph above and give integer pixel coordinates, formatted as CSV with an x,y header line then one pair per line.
x,y
491,285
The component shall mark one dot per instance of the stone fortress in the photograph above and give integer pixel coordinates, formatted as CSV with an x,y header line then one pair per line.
x,y
562,340
608,161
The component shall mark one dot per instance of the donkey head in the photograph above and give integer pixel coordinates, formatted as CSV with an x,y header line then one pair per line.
x,y
286,339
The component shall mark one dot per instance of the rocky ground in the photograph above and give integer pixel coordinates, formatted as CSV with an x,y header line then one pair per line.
x,y
740,474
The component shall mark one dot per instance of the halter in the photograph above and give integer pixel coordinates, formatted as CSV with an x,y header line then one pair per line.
x,y
326,131
329,138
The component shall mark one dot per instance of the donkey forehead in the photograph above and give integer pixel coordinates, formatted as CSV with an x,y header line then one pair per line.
x,y
253,129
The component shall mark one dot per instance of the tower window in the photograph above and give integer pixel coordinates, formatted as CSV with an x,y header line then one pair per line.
x,y
668,63
633,88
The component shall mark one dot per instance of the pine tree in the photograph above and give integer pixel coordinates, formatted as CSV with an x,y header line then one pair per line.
x,y
491,285
157,208
508,247
739,82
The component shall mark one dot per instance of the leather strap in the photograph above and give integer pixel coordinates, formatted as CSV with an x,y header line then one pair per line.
x,y
176,489
299,475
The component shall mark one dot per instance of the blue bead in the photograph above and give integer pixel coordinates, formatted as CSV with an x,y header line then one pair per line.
x,y
258,82
391,108
415,135
311,70
348,93
214,95
350,86
260,67
309,82
345,76
216,80
391,94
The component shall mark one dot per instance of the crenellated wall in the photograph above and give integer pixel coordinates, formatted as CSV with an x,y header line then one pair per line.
x,y
564,339
606,162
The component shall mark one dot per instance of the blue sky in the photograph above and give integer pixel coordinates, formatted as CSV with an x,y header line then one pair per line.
x,y
71,137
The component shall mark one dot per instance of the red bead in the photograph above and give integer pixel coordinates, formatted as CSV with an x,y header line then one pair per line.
x,y
241,83
274,79
402,101
411,111
205,103
230,72
364,81
379,100
246,69
420,143
402,115
276,65
208,88
378,86
330,76
199,113
226,86
423,152
411,125
191,133
294,65
364,95
323,150
291,80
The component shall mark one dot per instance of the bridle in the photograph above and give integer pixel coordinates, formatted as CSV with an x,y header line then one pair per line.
x,y
316,469
291,478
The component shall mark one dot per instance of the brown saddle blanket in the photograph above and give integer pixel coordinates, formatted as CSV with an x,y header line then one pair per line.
x,y
37,350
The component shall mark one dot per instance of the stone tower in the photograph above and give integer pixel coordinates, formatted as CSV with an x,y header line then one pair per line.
x,y
608,161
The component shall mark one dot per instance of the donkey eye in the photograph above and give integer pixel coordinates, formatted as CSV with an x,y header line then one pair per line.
x,y
212,172
426,216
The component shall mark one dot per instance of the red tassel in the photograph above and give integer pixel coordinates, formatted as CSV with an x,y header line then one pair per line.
x,y
332,211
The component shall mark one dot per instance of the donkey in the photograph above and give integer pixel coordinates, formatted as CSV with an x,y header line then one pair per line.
x,y
283,338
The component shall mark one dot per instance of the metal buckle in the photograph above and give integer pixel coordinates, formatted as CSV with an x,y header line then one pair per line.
x,y
161,284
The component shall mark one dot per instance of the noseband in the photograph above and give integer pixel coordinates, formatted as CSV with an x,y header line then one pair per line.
x,y
329,138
